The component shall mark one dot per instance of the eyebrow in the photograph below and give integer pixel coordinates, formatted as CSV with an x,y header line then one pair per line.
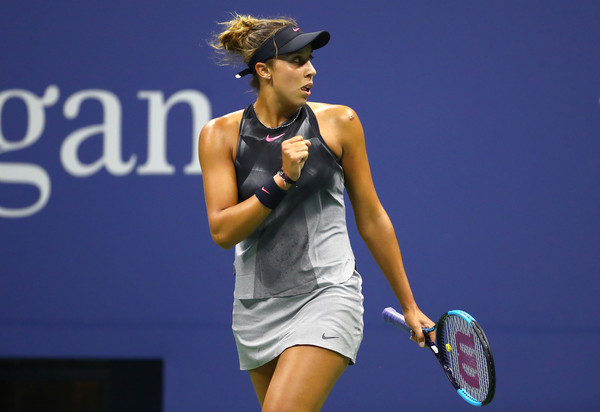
x,y
298,53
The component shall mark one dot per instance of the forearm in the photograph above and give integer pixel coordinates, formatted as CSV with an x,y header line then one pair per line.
x,y
233,224
230,226
379,236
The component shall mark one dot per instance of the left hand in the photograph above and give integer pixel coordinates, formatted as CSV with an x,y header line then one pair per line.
x,y
417,321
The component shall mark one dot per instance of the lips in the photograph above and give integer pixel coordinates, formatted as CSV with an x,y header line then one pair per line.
x,y
306,88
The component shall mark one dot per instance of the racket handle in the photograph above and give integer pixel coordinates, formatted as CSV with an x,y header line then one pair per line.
x,y
391,316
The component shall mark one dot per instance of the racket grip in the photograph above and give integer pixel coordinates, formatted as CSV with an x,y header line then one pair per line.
x,y
391,316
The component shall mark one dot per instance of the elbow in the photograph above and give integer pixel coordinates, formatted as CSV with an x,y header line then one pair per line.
x,y
221,240
219,233
367,235
372,229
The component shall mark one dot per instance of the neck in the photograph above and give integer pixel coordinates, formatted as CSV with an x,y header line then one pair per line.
x,y
272,113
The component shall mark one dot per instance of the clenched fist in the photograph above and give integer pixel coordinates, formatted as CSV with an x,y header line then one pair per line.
x,y
294,153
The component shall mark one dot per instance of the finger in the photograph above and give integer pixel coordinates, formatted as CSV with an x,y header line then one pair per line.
x,y
297,140
299,145
294,139
431,336
298,152
420,338
298,157
415,338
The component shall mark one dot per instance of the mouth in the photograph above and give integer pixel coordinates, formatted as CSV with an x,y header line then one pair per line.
x,y
306,88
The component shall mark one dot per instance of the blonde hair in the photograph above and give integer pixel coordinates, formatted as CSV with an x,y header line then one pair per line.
x,y
243,35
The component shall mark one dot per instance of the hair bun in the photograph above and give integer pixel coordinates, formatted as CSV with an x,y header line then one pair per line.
x,y
244,34
233,38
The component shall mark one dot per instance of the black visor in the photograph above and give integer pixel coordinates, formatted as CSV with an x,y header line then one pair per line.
x,y
286,40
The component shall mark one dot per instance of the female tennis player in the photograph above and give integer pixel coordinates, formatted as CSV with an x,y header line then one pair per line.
x,y
274,179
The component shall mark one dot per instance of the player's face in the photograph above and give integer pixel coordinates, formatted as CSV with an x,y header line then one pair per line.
x,y
293,75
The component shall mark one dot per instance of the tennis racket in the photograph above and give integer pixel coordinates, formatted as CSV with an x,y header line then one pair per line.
x,y
463,351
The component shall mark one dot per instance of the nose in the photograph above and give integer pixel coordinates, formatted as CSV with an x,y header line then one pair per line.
x,y
311,71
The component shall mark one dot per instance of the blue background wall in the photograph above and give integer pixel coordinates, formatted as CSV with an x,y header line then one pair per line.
x,y
482,122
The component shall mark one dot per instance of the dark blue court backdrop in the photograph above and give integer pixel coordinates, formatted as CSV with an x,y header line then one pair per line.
x,y
482,121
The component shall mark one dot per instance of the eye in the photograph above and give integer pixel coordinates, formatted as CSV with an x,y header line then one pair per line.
x,y
301,60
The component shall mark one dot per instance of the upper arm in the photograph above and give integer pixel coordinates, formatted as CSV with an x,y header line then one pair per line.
x,y
216,153
357,172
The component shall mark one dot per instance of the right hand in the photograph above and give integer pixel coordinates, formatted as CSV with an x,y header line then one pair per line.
x,y
294,153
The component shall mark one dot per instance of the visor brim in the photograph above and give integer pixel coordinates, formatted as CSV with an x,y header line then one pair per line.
x,y
316,39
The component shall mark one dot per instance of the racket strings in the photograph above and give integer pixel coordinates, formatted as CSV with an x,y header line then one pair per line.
x,y
466,356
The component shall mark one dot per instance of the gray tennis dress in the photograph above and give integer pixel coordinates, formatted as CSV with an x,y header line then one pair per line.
x,y
295,276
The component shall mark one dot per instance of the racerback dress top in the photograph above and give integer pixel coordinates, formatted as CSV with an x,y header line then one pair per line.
x,y
303,244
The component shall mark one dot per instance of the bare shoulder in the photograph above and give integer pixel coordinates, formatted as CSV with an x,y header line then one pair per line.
x,y
333,112
339,124
220,134
222,126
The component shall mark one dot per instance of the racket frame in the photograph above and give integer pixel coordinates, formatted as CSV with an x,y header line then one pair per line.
x,y
390,315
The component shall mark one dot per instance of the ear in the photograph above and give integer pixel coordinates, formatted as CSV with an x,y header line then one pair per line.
x,y
262,70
